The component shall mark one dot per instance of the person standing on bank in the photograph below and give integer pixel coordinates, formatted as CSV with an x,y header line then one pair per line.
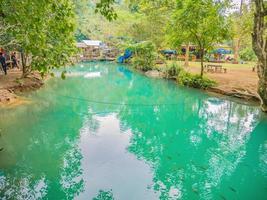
x,y
14,60
3,62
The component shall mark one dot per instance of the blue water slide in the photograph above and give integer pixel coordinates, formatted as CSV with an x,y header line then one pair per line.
x,y
127,54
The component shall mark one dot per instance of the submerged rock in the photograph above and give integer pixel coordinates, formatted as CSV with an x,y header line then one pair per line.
x,y
154,74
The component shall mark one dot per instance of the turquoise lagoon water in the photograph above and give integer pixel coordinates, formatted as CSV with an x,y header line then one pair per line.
x,y
108,133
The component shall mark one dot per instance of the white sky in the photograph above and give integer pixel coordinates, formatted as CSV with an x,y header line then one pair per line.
x,y
237,3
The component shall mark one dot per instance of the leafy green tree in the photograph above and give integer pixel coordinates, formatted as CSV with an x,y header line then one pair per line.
x,y
155,15
200,22
241,24
43,31
248,54
106,9
144,55
96,20
140,20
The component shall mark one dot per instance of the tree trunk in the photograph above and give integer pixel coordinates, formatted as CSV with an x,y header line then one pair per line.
x,y
24,65
259,41
241,7
237,46
186,64
262,87
202,61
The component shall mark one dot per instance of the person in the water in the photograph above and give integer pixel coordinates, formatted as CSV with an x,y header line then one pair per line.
x,y
3,62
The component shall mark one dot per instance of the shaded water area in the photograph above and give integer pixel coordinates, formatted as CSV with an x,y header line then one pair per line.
x,y
108,133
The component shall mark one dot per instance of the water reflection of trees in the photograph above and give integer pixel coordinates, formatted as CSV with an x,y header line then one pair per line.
x,y
54,175
45,156
172,138
104,195
192,145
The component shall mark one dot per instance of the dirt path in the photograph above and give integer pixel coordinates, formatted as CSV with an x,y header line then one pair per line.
x,y
12,85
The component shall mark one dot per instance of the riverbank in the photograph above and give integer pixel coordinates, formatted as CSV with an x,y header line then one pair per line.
x,y
239,82
12,86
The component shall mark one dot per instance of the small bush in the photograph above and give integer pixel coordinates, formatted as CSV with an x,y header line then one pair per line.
x,y
196,81
144,55
173,70
141,64
247,54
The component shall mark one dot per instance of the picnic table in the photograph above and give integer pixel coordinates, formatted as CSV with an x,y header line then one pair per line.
x,y
215,68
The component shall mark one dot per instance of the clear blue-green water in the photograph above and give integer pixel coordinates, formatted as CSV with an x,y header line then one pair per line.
x,y
108,133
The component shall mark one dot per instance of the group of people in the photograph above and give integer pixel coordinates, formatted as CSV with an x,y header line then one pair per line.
x,y
13,61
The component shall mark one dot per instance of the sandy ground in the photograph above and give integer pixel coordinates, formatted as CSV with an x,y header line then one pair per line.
x,y
9,80
12,85
238,81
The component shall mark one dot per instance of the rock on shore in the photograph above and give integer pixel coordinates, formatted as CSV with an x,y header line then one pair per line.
x,y
154,74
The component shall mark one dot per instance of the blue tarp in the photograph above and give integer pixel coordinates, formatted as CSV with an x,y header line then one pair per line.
x,y
169,51
222,51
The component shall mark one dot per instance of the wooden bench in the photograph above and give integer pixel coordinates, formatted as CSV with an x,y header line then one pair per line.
x,y
215,68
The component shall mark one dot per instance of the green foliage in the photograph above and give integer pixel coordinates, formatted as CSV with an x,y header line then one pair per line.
x,y
144,55
63,74
42,30
248,54
141,20
155,15
79,36
199,22
105,8
94,25
173,70
104,195
195,81
241,25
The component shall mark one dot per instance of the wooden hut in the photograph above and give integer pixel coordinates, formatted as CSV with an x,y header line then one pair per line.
x,y
90,49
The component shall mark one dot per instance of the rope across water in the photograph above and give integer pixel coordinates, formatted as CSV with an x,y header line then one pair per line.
x,y
113,103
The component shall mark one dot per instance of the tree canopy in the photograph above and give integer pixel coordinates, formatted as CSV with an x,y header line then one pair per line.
x,y
200,22
43,31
